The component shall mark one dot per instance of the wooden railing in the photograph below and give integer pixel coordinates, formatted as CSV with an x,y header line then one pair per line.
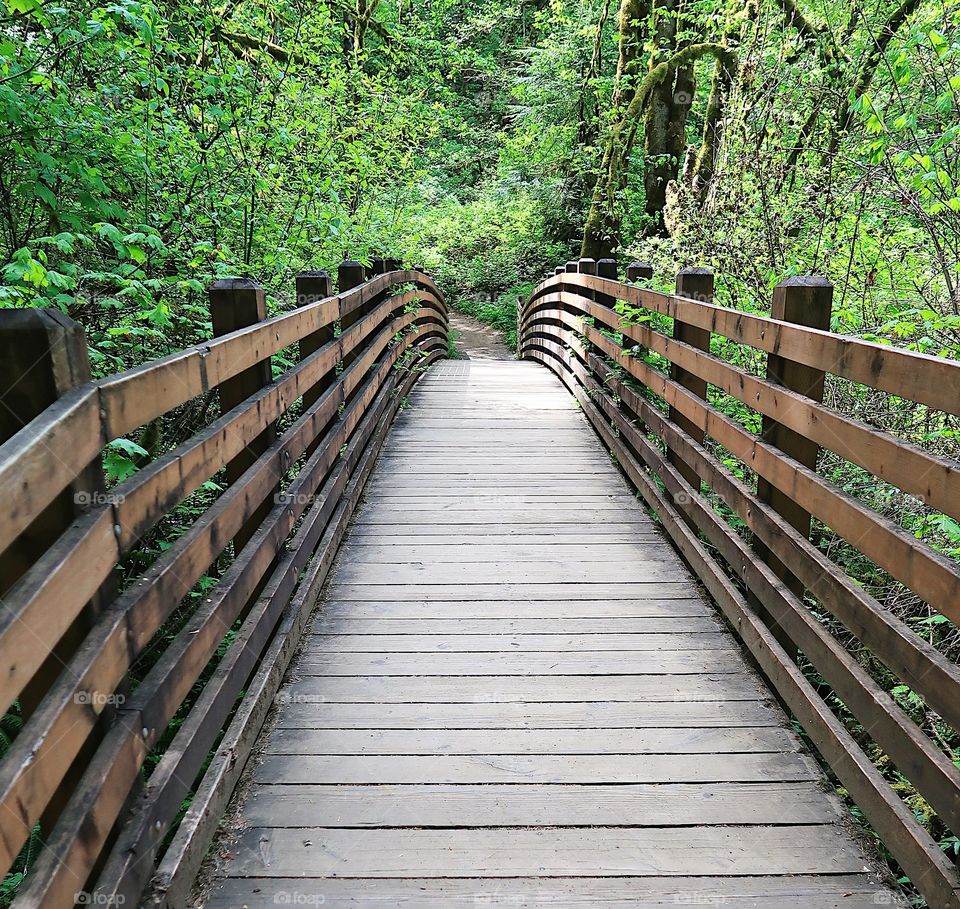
x,y
692,464
104,671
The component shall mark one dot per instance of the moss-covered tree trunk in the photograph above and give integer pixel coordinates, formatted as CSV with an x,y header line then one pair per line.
x,y
633,23
705,163
658,164
602,228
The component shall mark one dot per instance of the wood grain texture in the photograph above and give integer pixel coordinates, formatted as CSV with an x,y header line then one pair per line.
x,y
513,687
684,740
532,805
549,852
895,824
841,891
592,715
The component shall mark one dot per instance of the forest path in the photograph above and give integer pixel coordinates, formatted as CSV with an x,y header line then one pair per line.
x,y
476,341
513,694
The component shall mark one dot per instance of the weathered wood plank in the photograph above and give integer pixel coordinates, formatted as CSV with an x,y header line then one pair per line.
x,y
829,892
562,805
466,498
546,852
610,662
346,624
533,768
435,553
529,574
492,534
426,642
713,741
511,715
453,609
475,513
484,690
518,593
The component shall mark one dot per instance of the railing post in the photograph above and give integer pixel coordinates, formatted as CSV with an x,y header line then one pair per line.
x,y
804,301
607,268
350,274
572,267
559,270
695,284
587,266
639,271
236,303
43,356
313,286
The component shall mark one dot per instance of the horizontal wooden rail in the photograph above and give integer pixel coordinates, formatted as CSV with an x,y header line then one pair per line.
x,y
79,757
882,367
38,463
919,567
933,479
641,412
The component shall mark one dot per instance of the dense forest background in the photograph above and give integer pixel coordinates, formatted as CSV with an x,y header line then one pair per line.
x,y
149,147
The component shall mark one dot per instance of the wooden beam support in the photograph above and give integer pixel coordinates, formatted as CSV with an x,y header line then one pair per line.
x,y
237,303
804,301
43,355
639,271
694,284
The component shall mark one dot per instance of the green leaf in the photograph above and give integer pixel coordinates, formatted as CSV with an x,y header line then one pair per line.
x,y
127,447
16,7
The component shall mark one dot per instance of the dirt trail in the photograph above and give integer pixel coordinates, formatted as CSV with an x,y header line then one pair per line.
x,y
476,341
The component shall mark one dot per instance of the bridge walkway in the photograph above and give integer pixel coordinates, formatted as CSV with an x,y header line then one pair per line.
x,y
514,694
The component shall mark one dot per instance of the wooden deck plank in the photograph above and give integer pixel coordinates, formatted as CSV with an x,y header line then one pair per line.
x,y
547,852
513,715
518,550
537,573
524,689
588,769
571,591
609,662
520,534
425,642
511,805
344,623
582,662
399,516
514,694
833,892
655,608
686,740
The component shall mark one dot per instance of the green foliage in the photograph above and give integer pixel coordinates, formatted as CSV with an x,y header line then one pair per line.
x,y
147,149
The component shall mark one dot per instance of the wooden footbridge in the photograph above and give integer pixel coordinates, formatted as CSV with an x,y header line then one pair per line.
x,y
303,658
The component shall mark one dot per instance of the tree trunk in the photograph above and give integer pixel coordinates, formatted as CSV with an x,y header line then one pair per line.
x,y
658,166
706,158
602,226
602,229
